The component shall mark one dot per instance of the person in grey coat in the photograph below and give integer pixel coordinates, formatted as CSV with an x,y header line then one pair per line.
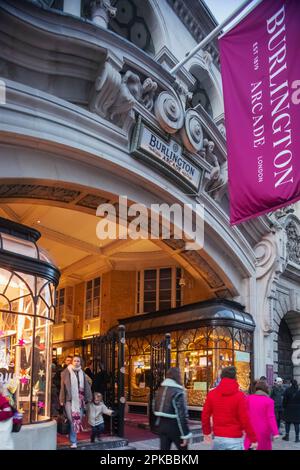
x,y
75,393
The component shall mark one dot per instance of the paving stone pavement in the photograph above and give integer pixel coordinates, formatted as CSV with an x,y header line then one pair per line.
x,y
153,444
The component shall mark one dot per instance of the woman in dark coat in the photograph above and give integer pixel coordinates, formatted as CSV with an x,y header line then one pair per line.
x,y
171,412
291,409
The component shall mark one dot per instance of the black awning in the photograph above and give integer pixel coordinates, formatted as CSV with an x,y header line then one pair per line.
x,y
215,312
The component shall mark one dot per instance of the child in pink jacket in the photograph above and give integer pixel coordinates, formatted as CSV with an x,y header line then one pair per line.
x,y
262,417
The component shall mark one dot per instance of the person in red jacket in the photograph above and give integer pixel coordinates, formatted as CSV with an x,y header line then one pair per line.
x,y
227,406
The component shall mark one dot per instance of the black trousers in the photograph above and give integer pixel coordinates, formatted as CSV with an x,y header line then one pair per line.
x,y
279,416
288,427
166,442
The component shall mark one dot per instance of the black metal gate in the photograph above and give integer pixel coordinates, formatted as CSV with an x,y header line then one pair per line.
x,y
160,362
285,351
108,352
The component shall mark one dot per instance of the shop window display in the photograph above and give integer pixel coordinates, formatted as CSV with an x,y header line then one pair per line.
x,y
26,317
201,354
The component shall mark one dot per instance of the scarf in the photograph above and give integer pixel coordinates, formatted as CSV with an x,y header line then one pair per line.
x,y
77,396
261,393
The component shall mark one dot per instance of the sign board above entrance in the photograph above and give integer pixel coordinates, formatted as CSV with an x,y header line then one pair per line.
x,y
167,155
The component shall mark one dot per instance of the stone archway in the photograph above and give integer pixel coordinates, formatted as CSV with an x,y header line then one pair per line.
x,y
286,332
285,351
198,264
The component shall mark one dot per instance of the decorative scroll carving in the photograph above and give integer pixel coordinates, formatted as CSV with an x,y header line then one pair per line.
x,y
169,112
218,177
191,133
293,242
114,95
106,87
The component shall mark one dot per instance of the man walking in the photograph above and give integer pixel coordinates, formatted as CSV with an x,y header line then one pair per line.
x,y
277,395
227,406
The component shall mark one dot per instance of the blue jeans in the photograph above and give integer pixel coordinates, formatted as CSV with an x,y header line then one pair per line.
x,y
96,431
228,443
72,435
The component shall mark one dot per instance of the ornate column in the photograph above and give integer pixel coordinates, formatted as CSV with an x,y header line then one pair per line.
x,y
101,11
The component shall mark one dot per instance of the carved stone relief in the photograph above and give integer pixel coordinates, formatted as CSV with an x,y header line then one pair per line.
x,y
212,278
149,89
38,192
114,95
91,201
183,92
218,176
293,241
51,193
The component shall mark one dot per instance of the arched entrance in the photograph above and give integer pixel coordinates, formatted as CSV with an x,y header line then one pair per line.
x,y
285,340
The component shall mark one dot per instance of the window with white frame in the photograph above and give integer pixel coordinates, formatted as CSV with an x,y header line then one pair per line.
x,y
92,298
59,305
158,289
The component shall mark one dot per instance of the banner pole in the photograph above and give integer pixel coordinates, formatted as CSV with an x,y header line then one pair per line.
x,y
211,35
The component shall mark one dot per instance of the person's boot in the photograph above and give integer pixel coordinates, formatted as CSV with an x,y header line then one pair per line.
x,y
297,439
286,438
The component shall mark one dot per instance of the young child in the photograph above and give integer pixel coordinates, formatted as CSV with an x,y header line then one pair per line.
x,y
95,415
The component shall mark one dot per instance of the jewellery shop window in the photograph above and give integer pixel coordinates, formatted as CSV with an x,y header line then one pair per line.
x,y
207,354
26,318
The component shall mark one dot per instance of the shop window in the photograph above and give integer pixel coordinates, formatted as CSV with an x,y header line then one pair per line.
x,y
60,305
158,289
26,317
92,298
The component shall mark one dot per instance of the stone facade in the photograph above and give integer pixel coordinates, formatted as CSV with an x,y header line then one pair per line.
x,y
75,90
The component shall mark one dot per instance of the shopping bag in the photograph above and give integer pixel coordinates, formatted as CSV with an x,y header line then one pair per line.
x,y
63,425
17,421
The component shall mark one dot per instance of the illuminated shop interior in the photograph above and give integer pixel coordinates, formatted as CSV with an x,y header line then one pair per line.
x,y
27,289
205,338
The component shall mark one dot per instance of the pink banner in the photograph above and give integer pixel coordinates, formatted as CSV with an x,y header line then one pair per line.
x,y
260,64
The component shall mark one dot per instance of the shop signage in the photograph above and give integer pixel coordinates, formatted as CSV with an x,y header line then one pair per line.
x,y
166,154
241,356
200,386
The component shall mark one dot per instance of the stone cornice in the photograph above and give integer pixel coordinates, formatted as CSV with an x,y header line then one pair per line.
x,y
51,30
